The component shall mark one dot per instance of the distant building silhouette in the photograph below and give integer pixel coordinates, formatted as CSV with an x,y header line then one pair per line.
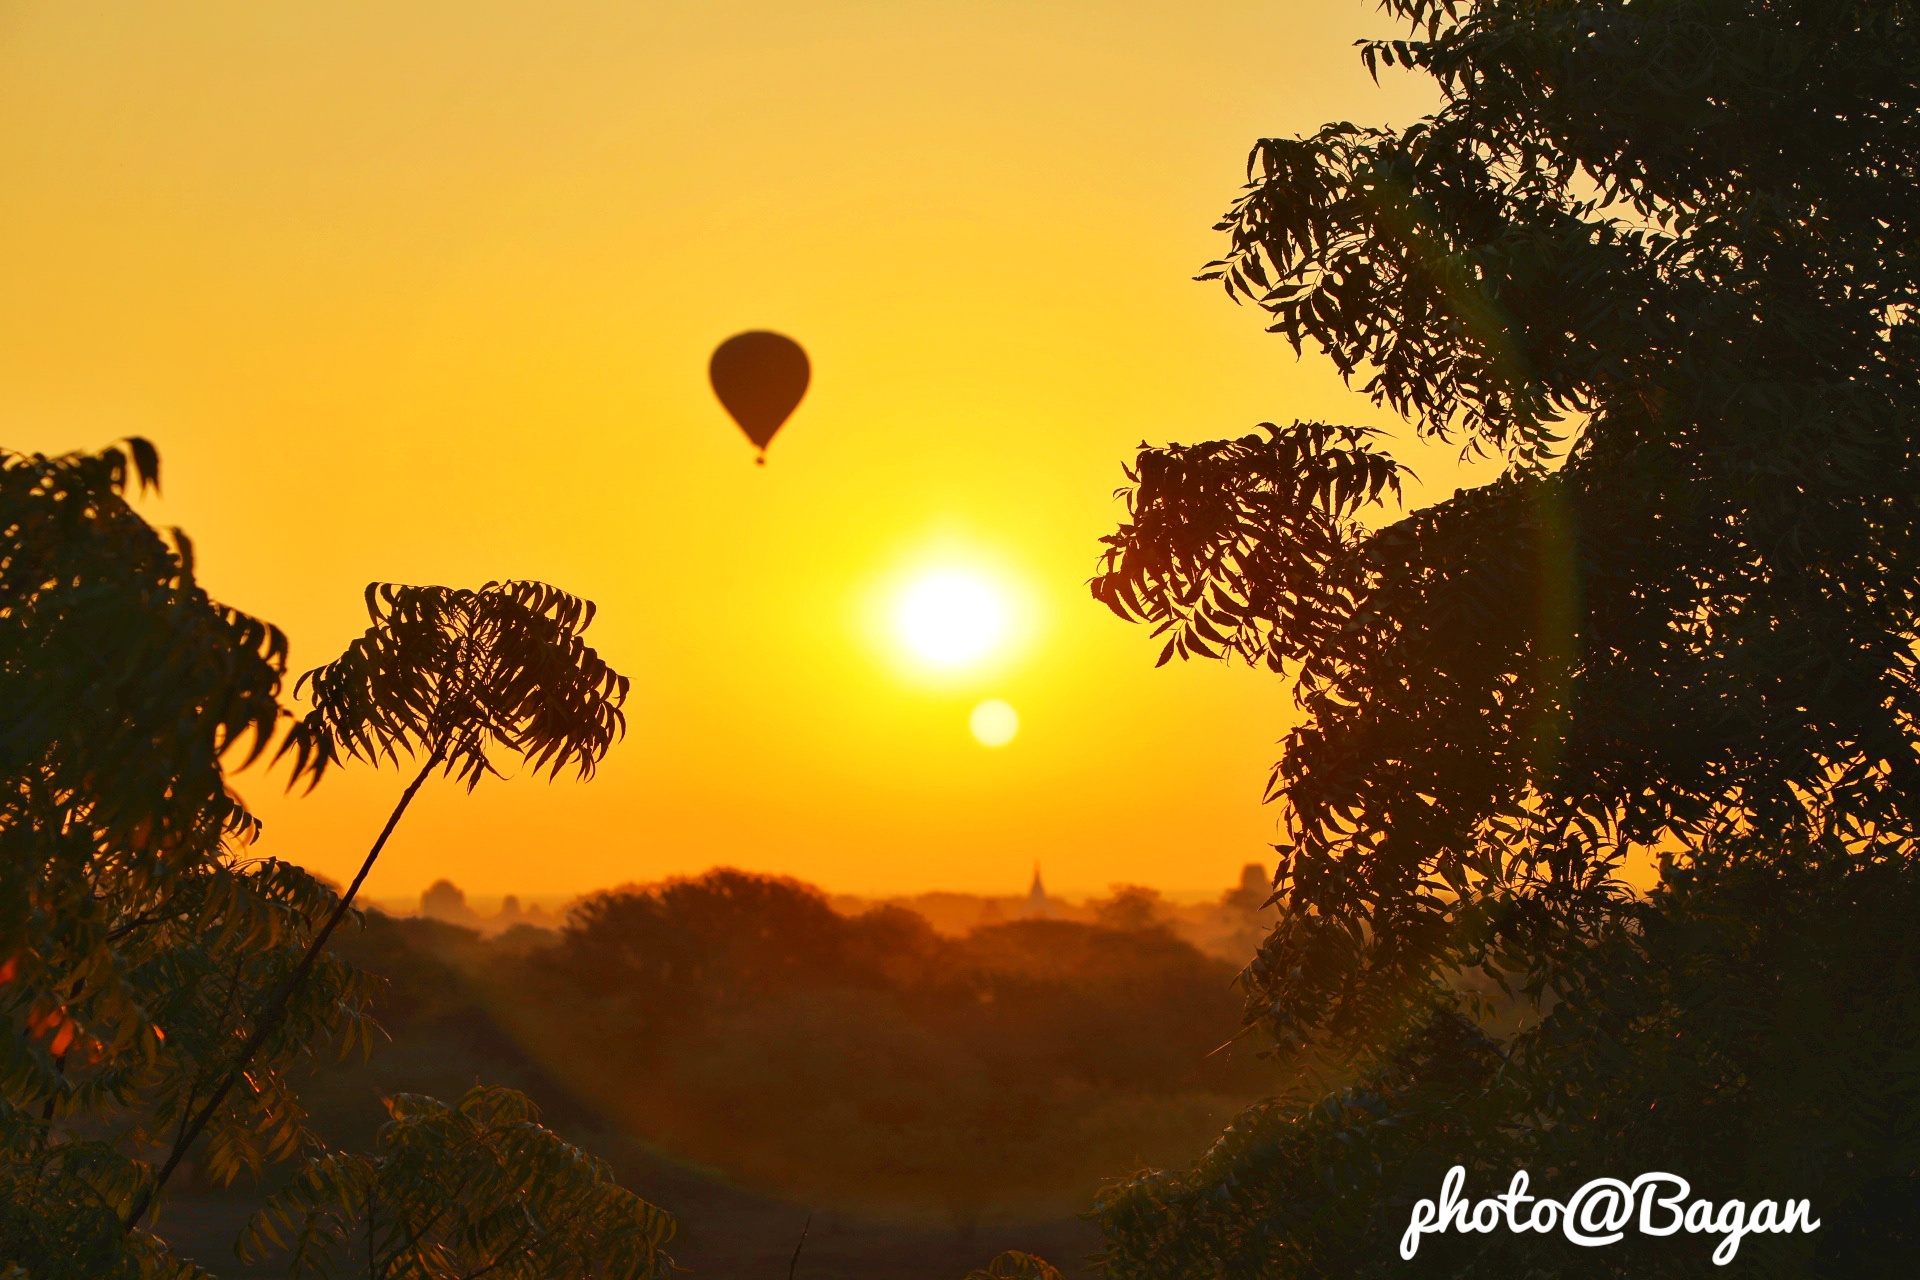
x,y
1039,905
443,900
446,902
1256,886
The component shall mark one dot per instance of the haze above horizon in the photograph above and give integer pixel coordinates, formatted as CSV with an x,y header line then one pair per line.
x,y
426,293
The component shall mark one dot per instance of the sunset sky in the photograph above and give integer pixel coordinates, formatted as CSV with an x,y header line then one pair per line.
x,y
424,292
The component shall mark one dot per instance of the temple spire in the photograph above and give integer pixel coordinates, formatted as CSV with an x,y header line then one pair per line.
x,y
1038,904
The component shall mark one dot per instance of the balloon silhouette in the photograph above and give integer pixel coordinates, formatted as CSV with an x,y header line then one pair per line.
x,y
759,377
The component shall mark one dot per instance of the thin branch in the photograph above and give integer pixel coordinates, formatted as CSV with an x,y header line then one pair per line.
x,y
141,921
276,1010
792,1266
504,1255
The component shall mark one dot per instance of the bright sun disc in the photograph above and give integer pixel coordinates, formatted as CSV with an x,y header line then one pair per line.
x,y
951,618
994,723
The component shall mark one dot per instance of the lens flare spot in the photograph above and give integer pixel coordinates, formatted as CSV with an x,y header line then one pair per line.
x,y
994,723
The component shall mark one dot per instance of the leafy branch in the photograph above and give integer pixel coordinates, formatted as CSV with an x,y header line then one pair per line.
x,y
457,679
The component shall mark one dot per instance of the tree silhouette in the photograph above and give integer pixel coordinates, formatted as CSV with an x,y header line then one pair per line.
x,y
1625,230
457,679
135,932
1659,259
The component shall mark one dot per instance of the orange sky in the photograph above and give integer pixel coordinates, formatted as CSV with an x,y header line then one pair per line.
x,y
424,292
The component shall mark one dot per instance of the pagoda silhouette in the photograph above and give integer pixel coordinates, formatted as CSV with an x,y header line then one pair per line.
x,y
1039,905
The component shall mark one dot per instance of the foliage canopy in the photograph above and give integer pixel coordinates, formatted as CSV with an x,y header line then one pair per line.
x,y
457,676
1660,257
136,934
452,1192
149,963
1688,228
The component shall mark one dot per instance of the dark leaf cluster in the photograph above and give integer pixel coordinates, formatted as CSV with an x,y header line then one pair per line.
x,y
137,938
455,1192
457,676
1681,236
1660,258
160,986
1754,1024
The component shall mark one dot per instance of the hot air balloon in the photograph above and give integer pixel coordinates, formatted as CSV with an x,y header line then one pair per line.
x,y
759,377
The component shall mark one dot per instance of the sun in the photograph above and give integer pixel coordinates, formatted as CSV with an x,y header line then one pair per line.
x,y
951,619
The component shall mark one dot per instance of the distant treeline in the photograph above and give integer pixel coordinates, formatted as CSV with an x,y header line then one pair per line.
x,y
1230,926
740,1022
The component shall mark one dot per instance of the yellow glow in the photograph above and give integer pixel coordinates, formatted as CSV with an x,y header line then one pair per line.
x,y
426,293
952,618
994,723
